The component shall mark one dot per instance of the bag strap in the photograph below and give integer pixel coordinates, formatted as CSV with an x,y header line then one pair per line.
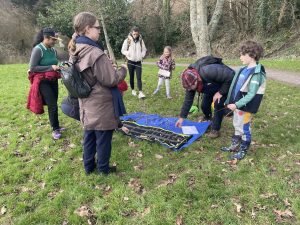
x,y
198,101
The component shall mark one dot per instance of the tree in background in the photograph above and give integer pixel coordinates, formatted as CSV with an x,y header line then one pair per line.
x,y
203,32
112,15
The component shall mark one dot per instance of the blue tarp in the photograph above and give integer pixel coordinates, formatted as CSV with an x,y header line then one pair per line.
x,y
167,123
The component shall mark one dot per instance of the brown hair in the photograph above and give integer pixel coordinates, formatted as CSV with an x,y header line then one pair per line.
x,y
135,29
253,49
80,22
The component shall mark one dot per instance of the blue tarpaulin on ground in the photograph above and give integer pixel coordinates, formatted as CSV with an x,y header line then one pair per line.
x,y
167,123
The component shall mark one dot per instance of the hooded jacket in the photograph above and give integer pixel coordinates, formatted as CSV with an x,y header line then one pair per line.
x,y
251,93
97,111
134,50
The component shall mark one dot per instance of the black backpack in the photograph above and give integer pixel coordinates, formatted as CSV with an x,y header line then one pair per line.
x,y
73,80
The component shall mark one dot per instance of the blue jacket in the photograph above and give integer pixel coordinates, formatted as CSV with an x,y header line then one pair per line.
x,y
251,93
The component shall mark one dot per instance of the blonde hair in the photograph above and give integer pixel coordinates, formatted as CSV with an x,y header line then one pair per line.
x,y
169,49
80,22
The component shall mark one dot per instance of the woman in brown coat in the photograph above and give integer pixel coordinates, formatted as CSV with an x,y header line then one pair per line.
x,y
97,111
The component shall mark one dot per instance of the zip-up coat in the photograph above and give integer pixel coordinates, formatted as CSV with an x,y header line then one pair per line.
x,y
134,49
251,93
97,111
213,71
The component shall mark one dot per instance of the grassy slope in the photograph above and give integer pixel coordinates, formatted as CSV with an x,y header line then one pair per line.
x,y
42,181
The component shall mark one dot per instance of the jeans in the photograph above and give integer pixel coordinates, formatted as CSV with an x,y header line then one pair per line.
x,y
49,92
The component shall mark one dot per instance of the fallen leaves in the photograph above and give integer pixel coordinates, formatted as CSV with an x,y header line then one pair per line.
x,y
85,211
238,207
139,167
146,211
53,194
179,220
281,157
286,202
170,181
157,156
105,188
136,154
132,144
267,195
3,210
213,206
136,186
283,214
192,182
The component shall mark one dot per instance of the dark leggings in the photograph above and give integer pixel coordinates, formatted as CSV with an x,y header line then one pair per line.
x,y
49,92
135,66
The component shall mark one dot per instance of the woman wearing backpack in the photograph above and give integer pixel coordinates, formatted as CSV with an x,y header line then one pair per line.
x,y
97,111
134,50
213,80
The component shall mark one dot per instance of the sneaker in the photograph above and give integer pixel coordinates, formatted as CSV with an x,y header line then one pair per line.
x,y
239,155
155,92
56,134
62,129
169,97
213,134
133,92
141,94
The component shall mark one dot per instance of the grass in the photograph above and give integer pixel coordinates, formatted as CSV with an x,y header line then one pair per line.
x,y
292,65
42,181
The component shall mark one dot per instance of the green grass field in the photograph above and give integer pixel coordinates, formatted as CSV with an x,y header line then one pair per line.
x,y
42,181
292,65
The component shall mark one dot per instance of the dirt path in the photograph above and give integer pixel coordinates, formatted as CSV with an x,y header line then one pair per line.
x,y
291,78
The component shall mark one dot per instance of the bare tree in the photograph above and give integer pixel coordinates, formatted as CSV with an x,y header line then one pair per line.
x,y
202,32
166,18
91,5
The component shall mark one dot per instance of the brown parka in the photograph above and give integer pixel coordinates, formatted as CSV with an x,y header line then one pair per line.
x,y
97,111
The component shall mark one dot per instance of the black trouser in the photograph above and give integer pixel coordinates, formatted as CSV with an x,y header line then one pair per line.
x,y
135,66
219,110
49,92
100,142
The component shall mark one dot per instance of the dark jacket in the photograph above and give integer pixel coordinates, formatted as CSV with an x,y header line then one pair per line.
x,y
215,77
213,72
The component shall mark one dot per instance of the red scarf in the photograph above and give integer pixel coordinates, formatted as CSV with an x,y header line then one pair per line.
x,y
35,99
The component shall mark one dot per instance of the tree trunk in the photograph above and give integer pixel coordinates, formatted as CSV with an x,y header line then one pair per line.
x,y
199,27
166,18
158,6
213,24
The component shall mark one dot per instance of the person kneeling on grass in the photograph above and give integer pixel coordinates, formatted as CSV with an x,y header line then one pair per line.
x,y
244,97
